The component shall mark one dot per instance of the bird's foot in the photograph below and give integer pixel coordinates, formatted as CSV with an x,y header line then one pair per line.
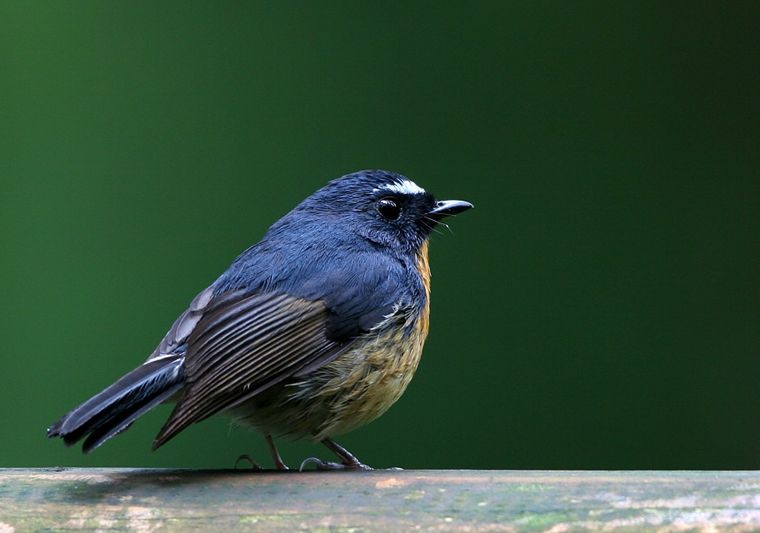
x,y
319,464
249,459
279,465
348,461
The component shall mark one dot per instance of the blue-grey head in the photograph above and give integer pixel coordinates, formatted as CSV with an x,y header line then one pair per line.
x,y
383,207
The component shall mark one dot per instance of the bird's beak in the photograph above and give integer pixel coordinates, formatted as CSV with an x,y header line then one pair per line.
x,y
445,208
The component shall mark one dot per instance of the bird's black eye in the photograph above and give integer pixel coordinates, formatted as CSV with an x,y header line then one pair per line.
x,y
389,208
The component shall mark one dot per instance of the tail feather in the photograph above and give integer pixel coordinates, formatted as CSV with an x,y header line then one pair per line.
x,y
114,409
116,425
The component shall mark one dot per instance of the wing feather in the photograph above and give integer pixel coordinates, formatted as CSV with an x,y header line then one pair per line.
x,y
244,345
221,325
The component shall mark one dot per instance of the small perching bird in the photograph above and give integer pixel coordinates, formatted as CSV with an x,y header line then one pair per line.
x,y
312,332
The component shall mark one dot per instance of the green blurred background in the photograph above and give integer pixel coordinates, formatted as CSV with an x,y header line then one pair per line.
x,y
598,309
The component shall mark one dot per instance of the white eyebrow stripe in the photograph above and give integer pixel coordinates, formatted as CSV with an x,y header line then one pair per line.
x,y
403,187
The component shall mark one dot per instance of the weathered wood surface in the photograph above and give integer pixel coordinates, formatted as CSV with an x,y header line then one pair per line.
x,y
184,500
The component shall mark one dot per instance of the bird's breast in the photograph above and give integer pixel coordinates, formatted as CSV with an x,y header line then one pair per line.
x,y
364,382
357,386
423,267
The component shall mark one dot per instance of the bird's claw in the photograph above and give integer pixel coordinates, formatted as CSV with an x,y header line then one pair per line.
x,y
246,457
319,464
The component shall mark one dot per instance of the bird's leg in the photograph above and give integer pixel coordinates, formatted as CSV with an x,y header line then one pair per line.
x,y
348,460
278,462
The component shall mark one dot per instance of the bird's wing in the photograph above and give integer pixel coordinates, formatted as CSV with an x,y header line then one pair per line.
x,y
243,344
238,339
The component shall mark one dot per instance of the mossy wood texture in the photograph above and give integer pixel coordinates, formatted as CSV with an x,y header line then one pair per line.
x,y
182,500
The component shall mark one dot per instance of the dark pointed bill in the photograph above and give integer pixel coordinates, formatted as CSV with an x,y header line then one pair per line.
x,y
446,208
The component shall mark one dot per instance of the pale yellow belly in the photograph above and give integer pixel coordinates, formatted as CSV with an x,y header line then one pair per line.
x,y
355,388
346,393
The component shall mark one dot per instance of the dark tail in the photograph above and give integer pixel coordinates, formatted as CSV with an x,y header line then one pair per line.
x,y
112,411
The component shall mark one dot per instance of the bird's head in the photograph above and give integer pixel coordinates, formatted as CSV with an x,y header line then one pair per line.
x,y
383,207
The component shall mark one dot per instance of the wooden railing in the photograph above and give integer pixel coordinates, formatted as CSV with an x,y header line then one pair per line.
x,y
382,500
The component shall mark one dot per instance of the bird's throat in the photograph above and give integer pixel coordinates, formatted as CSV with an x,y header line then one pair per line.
x,y
423,266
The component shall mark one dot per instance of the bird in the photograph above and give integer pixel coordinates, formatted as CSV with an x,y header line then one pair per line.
x,y
312,332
